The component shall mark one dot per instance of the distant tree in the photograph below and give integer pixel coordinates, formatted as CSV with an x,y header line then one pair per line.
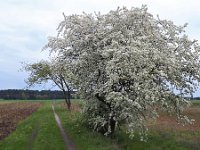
x,y
54,71
128,64
30,94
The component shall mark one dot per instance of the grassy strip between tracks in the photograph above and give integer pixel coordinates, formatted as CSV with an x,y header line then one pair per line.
x,y
38,132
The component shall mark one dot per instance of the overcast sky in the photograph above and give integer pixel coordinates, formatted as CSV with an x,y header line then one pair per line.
x,y
26,24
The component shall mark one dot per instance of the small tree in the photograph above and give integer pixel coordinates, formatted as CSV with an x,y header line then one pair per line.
x,y
54,71
128,64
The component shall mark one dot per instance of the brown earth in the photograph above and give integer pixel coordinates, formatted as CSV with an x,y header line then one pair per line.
x,y
170,122
188,135
12,113
165,121
74,107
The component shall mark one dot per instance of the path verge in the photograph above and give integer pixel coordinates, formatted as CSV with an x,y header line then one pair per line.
x,y
68,142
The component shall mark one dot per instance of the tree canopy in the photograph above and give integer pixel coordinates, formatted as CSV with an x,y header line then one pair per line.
x,y
128,64
53,70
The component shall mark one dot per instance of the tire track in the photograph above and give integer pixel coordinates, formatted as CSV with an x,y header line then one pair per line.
x,y
68,142
33,136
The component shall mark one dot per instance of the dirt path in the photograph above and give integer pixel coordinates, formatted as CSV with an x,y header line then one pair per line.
x,y
68,142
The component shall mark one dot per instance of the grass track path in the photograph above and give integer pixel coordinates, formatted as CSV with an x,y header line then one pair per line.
x,y
68,142
37,132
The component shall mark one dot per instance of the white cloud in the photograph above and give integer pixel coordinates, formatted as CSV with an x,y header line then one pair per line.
x,y
25,24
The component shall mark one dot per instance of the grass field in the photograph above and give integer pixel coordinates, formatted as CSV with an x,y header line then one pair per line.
x,y
37,132
40,132
160,137
84,138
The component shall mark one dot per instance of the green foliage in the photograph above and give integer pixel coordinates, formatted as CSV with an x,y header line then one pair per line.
x,y
39,72
54,70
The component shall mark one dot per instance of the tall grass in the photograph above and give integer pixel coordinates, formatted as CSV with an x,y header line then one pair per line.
x,y
86,139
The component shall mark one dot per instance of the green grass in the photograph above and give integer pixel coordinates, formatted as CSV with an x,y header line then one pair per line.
x,y
156,141
84,139
37,132
40,132
195,103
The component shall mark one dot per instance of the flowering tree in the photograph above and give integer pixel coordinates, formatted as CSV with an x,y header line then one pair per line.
x,y
55,71
128,63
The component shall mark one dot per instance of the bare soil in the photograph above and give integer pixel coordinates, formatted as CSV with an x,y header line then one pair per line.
x,y
12,113
170,122
74,107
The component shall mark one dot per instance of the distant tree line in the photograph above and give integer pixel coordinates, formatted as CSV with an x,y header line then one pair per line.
x,y
193,98
30,94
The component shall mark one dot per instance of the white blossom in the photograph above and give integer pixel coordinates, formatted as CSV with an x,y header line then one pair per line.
x,y
127,64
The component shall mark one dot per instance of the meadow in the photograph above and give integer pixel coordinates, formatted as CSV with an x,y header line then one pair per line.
x,y
39,131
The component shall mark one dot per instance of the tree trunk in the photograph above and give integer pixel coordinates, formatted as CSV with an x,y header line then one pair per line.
x,y
112,122
68,102
112,125
67,96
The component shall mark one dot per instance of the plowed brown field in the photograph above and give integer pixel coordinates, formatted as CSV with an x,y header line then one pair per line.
x,y
170,122
12,113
